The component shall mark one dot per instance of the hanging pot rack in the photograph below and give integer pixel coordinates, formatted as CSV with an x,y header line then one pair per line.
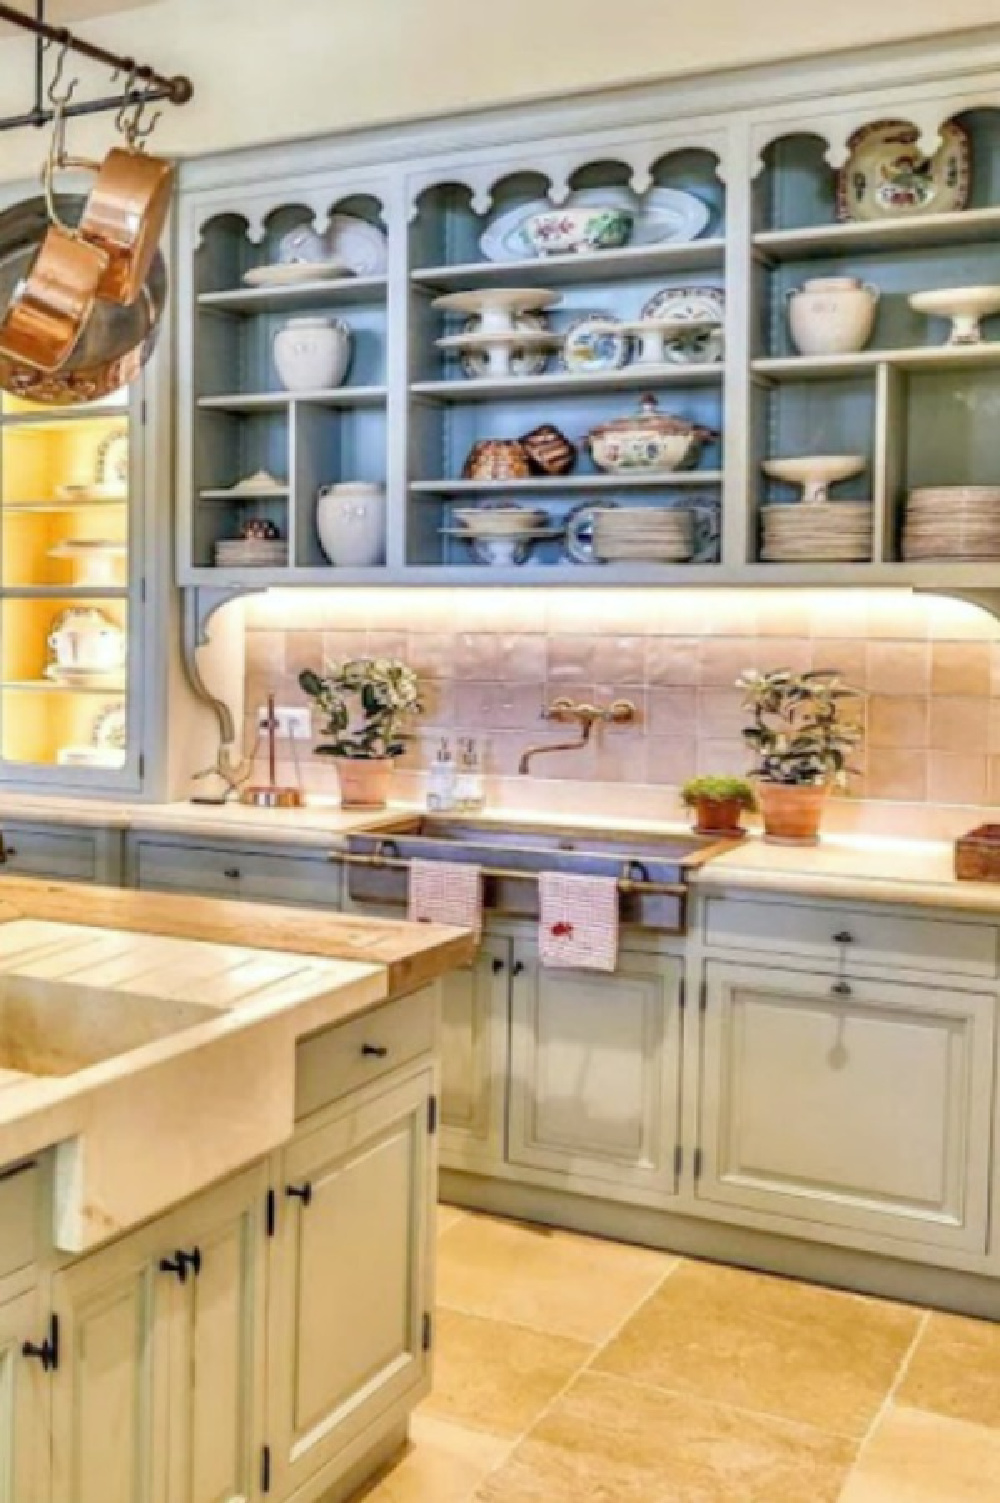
x,y
145,86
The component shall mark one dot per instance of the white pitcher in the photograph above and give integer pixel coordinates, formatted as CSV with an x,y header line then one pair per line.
x,y
832,315
350,520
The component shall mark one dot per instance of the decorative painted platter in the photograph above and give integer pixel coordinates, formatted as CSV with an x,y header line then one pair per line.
x,y
887,176
363,247
579,544
704,308
593,344
660,216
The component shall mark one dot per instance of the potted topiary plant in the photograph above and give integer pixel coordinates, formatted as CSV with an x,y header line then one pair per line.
x,y
718,803
366,702
801,741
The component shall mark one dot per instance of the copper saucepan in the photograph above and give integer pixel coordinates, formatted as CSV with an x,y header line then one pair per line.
x,y
117,340
51,304
125,215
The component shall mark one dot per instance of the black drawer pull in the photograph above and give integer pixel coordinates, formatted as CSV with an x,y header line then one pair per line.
x,y
498,965
8,852
841,989
181,1263
843,938
300,1192
374,1051
233,873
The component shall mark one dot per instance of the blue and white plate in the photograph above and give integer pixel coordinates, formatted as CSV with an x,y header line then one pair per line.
x,y
591,346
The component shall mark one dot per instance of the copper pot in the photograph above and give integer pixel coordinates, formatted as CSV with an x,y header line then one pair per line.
x,y
50,306
117,340
124,217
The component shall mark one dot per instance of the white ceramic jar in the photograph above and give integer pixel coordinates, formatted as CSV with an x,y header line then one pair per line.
x,y
832,315
86,641
312,354
350,520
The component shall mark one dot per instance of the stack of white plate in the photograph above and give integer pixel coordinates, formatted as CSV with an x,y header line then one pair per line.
x,y
251,553
817,532
644,534
952,521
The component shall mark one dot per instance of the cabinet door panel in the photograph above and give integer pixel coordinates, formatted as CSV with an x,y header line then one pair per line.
x,y
351,1271
107,1398
23,1407
217,1347
868,1108
595,1063
474,1058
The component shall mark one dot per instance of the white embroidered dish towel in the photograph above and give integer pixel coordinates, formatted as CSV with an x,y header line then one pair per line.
x,y
578,921
446,892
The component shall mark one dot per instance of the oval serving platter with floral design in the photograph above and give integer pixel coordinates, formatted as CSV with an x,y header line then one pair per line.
x,y
887,176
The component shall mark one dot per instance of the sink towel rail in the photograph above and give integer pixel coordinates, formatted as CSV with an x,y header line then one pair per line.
x,y
632,879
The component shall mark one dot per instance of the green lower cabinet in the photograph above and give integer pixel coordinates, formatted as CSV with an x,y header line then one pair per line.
x,y
224,869
62,853
24,1393
158,1393
350,1281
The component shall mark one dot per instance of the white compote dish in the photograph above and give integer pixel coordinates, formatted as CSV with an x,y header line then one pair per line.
x,y
965,306
815,473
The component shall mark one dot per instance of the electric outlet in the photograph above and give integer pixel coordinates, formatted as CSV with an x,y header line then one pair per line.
x,y
293,720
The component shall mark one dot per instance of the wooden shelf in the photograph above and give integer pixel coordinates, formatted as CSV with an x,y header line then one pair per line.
x,y
246,301
56,506
65,592
822,367
561,271
277,401
49,686
973,225
62,418
569,383
571,483
281,494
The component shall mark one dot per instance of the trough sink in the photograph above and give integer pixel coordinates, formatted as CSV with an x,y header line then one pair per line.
x,y
512,854
56,1028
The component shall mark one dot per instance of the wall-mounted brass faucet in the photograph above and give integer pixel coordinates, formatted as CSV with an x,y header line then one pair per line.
x,y
563,710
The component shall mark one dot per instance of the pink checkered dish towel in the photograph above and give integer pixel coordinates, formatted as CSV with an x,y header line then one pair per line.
x,y
446,892
578,922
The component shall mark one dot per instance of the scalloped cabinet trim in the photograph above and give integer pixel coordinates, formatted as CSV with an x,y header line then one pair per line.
x,y
257,209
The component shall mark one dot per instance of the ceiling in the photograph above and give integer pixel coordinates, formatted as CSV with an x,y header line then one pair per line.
x,y
72,12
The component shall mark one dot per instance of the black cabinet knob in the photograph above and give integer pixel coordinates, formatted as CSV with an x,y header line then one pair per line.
x,y
233,873
182,1263
47,1353
841,989
300,1192
518,968
499,966
374,1051
843,938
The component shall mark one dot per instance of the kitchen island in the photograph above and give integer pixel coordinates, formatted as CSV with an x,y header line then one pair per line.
x,y
217,1174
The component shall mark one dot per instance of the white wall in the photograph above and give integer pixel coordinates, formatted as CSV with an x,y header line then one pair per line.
x,y
269,69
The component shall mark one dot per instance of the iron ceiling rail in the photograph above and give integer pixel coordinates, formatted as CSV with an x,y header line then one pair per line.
x,y
155,87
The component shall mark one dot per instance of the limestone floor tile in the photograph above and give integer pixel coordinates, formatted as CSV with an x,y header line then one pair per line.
x,y
442,1464
955,1371
766,1344
498,1377
550,1280
920,1458
447,1217
609,1441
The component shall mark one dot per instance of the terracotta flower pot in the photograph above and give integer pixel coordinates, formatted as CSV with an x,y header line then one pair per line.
x,y
718,816
792,812
364,781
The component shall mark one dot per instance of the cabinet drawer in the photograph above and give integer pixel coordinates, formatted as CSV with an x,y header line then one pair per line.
x,y
18,1219
42,851
221,871
826,933
341,1059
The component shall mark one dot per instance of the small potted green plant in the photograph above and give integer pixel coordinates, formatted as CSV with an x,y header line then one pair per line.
x,y
801,738
366,703
718,804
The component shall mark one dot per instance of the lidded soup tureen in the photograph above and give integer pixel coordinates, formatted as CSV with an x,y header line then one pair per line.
x,y
83,639
650,440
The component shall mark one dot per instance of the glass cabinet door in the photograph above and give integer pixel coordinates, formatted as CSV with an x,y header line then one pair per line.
x,y
68,568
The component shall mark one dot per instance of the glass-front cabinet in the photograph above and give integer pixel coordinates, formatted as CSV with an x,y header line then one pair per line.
x,y
70,580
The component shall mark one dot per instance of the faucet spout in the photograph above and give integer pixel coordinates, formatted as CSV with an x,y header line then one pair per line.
x,y
622,712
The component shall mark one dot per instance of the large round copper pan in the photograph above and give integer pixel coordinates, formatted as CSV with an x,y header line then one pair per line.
x,y
118,339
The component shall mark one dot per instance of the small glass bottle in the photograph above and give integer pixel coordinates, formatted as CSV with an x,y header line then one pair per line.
x,y
441,780
469,795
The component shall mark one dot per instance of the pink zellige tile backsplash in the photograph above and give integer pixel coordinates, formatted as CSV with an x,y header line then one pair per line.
x,y
489,661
